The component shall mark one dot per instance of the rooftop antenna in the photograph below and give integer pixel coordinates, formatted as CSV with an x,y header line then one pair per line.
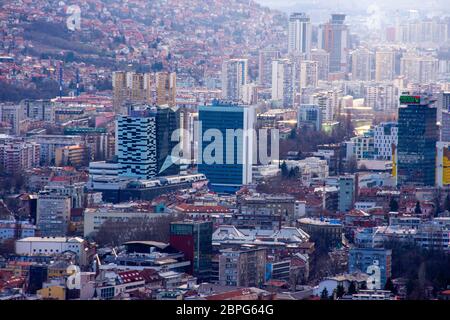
x,y
60,80
78,82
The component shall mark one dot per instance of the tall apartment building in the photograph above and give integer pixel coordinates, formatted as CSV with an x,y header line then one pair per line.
x,y
166,88
322,58
17,156
346,195
283,82
381,97
12,114
420,69
362,64
266,57
299,33
244,267
234,76
53,214
131,87
384,64
309,74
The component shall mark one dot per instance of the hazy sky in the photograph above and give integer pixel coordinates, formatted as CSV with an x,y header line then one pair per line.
x,y
358,4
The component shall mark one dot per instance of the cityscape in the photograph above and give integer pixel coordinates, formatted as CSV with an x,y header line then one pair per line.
x,y
224,150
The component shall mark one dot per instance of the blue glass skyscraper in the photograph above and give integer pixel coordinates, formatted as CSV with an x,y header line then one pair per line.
x,y
232,167
417,137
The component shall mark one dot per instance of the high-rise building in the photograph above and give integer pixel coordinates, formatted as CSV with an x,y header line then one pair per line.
x,y
136,143
234,76
12,114
166,88
266,57
17,156
334,38
323,63
283,82
417,137
167,138
309,72
227,160
132,87
144,142
381,97
384,64
362,64
419,69
53,214
299,33
346,195
194,239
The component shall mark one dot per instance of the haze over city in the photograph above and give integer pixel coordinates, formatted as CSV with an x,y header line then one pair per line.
x,y
224,150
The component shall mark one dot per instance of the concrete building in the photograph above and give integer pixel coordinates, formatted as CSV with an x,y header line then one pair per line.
x,y
309,74
234,76
166,88
299,33
53,214
384,64
266,57
243,267
347,193
385,136
360,259
283,82
362,64
322,58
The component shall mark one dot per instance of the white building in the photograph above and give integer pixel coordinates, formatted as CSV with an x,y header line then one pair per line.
x,y
299,33
234,76
309,74
95,217
283,81
53,213
52,246
385,136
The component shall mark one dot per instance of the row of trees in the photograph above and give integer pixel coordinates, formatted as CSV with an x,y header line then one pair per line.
x,y
115,232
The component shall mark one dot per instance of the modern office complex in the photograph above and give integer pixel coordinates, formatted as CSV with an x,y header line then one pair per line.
x,y
417,137
227,165
194,239
144,142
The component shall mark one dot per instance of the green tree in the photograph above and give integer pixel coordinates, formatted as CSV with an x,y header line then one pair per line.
x,y
284,169
418,209
340,291
393,205
324,294
293,134
351,288
447,202
390,286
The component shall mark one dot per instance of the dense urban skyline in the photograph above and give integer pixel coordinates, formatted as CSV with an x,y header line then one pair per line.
x,y
224,150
